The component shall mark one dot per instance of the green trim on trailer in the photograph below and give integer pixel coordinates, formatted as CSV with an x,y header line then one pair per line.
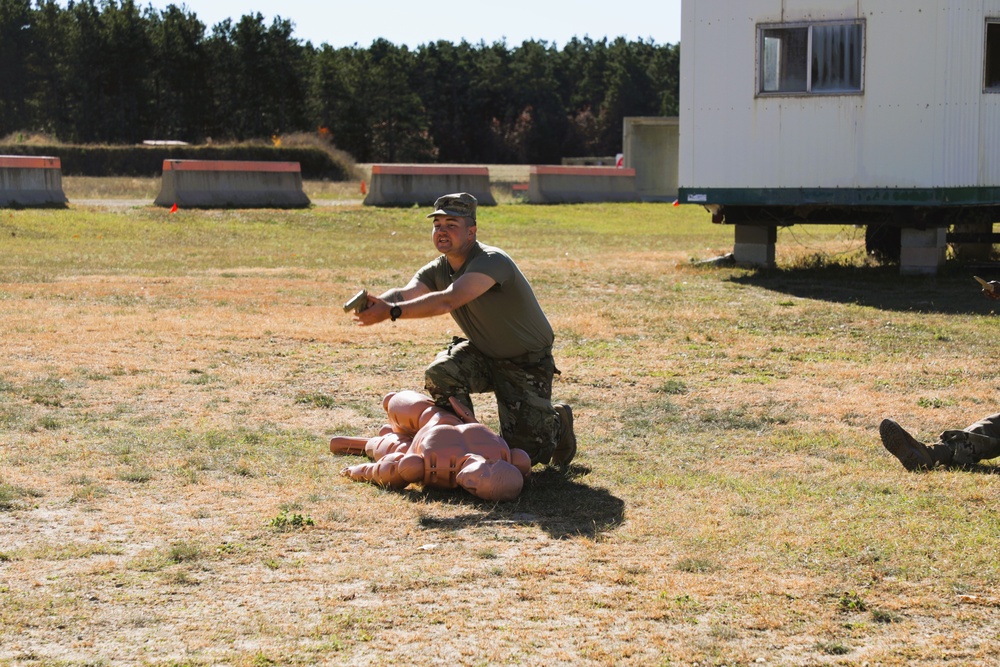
x,y
960,196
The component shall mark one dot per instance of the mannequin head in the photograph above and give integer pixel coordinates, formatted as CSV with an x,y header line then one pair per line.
x,y
490,480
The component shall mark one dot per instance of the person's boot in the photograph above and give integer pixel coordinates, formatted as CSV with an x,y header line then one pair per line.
x,y
566,446
913,454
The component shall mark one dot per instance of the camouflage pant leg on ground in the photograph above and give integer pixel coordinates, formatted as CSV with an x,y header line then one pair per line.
x,y
977,442
524,401
523,392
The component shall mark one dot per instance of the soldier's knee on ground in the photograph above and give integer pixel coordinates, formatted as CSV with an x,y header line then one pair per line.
x,y
535,433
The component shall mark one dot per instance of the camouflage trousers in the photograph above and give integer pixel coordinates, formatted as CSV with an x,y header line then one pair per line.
x,y
523,389
978,442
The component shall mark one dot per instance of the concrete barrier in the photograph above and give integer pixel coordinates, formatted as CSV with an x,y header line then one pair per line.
x,y
570,185
31,181
231,184
408,185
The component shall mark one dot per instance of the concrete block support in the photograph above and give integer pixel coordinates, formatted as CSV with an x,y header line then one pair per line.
x,y
754,245
231,184
421,185
31,181
574,185
922,251
973,252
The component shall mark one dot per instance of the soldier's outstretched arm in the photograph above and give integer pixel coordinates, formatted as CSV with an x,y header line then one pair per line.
x,y
377,308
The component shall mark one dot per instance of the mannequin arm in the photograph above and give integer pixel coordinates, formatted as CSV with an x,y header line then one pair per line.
x,y
395,471
343,444
463,412
383,472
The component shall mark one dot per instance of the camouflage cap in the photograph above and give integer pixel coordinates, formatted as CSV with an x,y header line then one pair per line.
x,y
459,205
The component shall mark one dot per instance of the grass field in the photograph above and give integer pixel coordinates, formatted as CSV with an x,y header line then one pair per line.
x,y
170,382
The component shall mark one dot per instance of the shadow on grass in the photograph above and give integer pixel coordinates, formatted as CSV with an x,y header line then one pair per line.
x,y
974,468
953,290
555,502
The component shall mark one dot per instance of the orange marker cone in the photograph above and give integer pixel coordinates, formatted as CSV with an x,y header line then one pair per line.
x,y
173,209
677,202
364,190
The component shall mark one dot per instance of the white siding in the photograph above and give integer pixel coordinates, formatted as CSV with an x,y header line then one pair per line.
x,y
922,120
989,118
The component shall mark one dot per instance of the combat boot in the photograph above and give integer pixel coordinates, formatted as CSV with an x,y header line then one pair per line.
x,y
566,446
913,454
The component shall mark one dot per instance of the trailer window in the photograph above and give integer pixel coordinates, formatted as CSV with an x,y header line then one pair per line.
x,y
992,83
822,58
784,60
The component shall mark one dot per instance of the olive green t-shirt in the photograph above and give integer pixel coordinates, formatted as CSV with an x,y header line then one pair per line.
x,y
506,321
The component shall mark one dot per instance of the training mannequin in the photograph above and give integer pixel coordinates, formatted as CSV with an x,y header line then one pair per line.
x,y
423,443
407,411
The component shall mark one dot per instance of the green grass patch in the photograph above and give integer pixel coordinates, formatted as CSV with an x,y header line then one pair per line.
x,y
294,521
16,497
317,400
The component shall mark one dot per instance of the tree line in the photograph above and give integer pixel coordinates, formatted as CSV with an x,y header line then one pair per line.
x,y
113,72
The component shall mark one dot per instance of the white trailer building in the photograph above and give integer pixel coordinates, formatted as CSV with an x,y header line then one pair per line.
x,y
877,112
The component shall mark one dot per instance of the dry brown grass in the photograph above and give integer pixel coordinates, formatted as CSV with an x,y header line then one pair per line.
x,y
170,383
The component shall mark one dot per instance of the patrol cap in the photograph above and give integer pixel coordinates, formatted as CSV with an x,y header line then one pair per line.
x,y
459,205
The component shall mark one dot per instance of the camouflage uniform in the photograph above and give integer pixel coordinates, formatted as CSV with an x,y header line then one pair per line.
x,y
523,389
974,443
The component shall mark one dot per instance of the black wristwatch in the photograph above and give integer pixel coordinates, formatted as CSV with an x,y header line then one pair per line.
x,y
395,313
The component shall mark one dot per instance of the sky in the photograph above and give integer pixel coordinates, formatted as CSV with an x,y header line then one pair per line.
x,y
411,23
